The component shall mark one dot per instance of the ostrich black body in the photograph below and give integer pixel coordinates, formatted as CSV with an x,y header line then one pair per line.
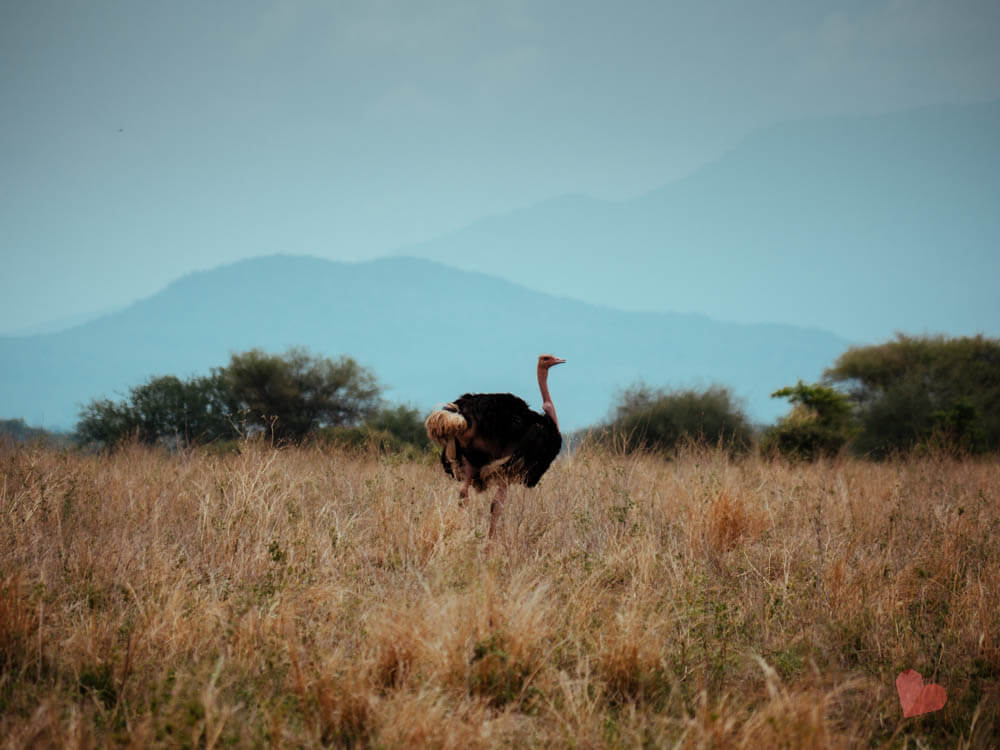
x,y
502,425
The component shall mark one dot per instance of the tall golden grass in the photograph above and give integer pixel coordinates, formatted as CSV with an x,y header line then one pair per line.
x,y
310,597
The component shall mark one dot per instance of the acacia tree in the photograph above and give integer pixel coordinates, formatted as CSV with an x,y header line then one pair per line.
x,y
285,396
292,395
916,390
163,408
184,411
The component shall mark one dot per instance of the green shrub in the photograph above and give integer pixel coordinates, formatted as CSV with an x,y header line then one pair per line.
x,y
404,423
391,430
660,420
819,423
18,431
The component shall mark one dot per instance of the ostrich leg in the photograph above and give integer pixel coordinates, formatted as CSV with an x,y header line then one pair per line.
x,y
467,472
496,507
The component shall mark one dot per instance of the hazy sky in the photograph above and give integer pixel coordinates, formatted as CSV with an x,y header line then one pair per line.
x,y
140,141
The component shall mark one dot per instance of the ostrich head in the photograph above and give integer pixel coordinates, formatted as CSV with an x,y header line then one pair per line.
x,y
547,360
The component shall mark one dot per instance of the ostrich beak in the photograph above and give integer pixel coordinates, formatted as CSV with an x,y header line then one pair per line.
x,y
558,360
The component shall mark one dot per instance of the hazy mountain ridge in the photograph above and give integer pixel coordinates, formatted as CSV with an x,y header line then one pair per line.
x,y
900,214
430,333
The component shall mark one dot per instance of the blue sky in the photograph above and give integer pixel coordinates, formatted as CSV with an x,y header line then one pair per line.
x,y
141,141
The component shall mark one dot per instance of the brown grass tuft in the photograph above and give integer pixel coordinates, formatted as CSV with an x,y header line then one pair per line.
x,y
729,521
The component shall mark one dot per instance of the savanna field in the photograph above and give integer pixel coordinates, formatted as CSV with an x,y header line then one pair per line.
x,y
309,597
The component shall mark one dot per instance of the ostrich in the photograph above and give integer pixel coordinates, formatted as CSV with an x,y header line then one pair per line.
x,y
494,438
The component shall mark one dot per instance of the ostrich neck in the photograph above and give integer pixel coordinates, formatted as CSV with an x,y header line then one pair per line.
x,y
543,386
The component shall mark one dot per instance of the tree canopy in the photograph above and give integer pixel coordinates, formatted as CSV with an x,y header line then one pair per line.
x,y
660,420
292,395
164,408
285,396
915,391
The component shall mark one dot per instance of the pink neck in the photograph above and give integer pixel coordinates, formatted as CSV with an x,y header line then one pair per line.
x,y
543,386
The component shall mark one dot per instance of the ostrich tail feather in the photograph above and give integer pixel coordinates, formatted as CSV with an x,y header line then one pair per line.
x,y
444,425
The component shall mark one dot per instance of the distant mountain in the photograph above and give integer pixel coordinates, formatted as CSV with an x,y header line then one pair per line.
x,y
862,226
428,331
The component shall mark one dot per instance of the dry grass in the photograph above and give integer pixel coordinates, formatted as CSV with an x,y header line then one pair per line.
x,y
306,597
